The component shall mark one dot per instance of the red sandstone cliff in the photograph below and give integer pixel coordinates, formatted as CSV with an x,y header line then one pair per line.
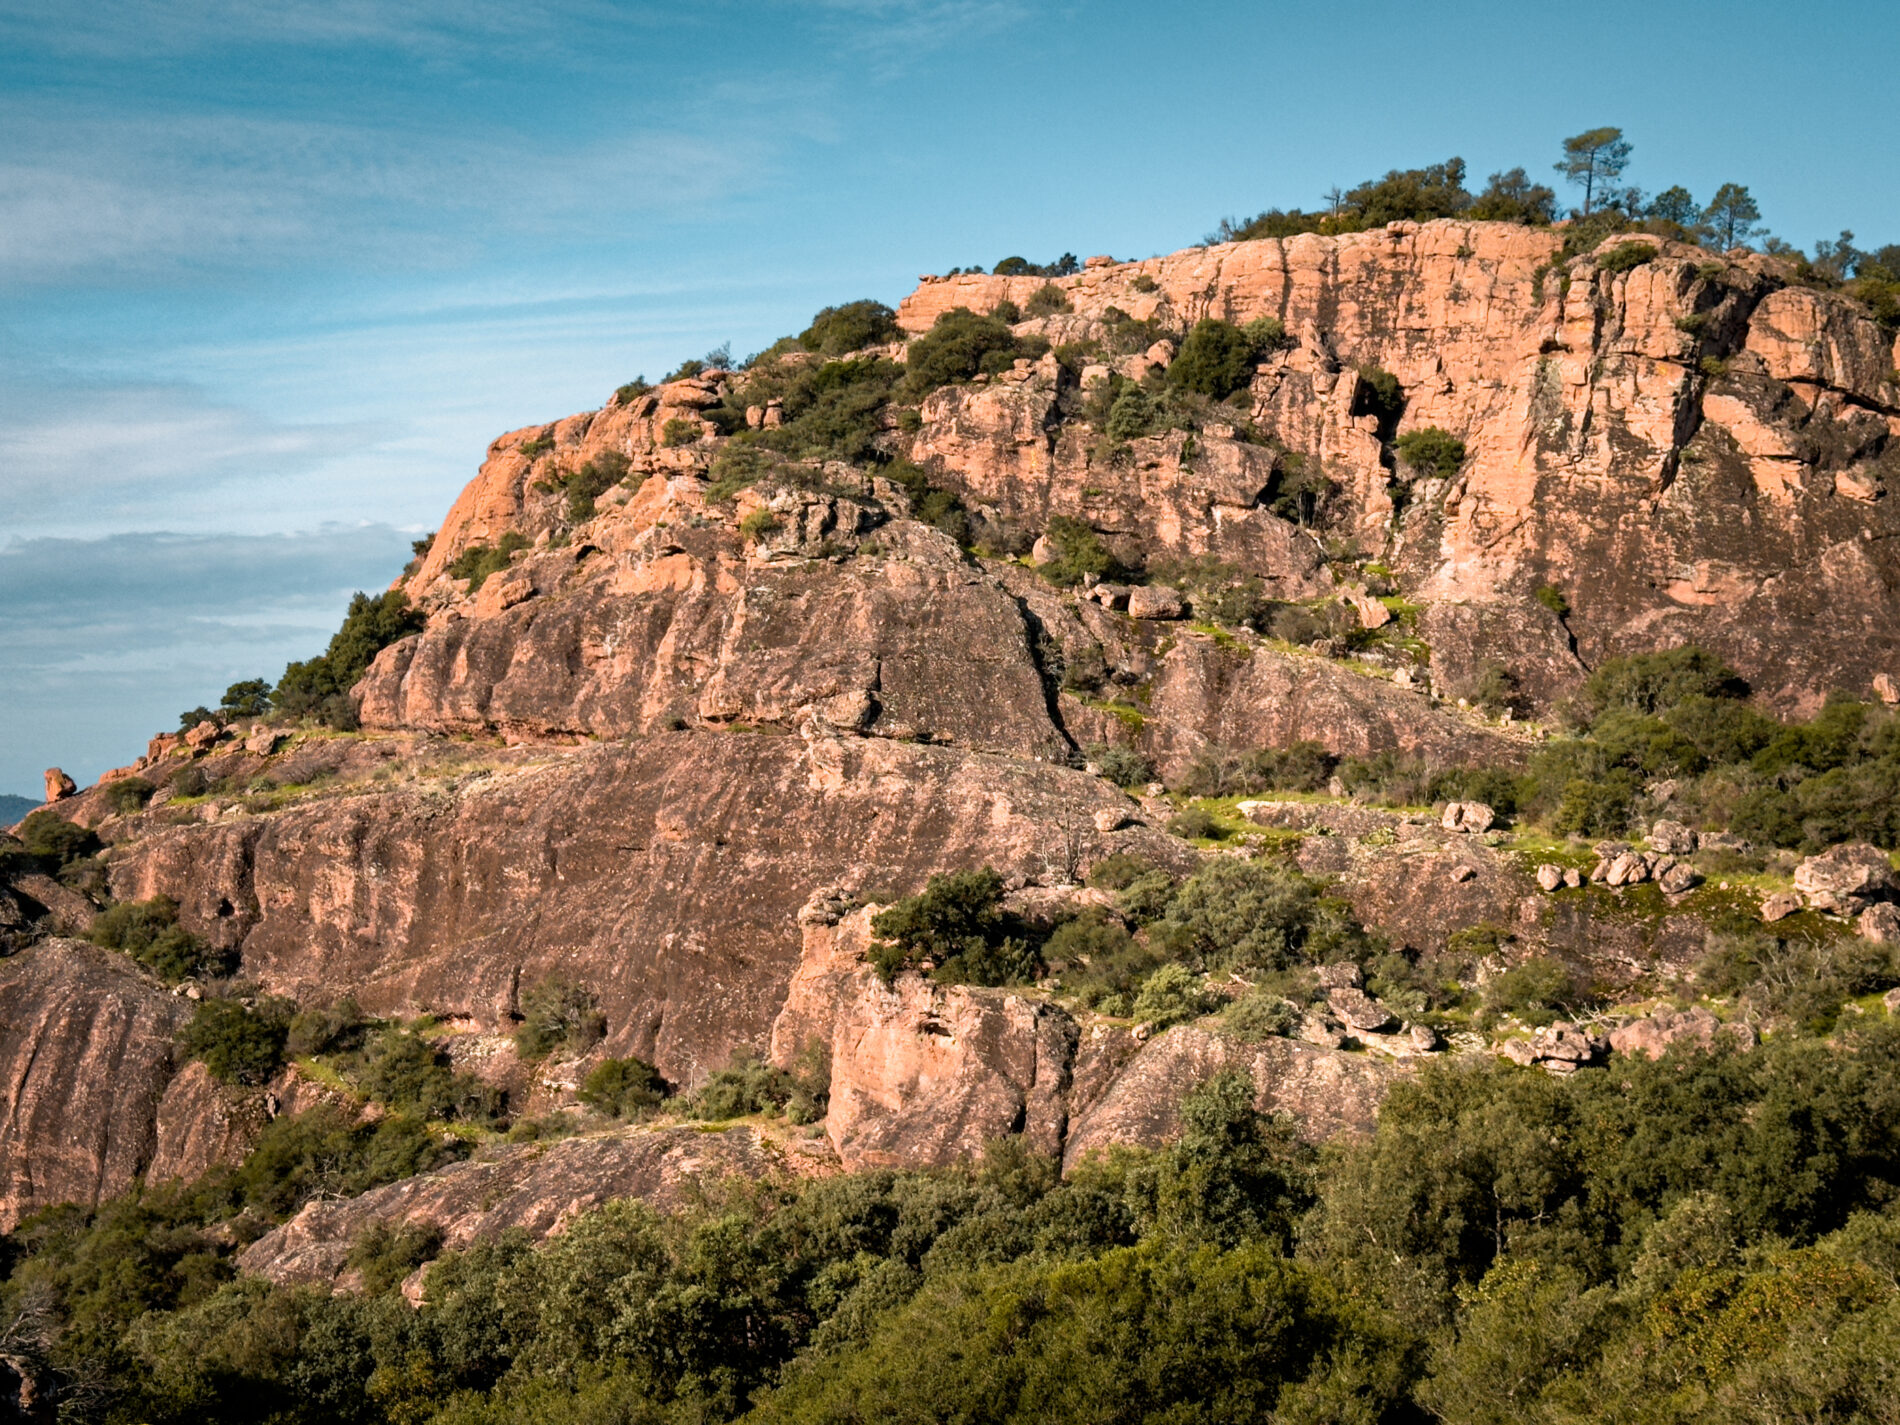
x,y
682,735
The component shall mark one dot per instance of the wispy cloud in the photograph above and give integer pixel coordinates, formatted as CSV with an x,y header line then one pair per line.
x,y
106,640
123,449
105,197
431,28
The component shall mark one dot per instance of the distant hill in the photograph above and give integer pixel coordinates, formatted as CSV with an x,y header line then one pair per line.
x,y
13,808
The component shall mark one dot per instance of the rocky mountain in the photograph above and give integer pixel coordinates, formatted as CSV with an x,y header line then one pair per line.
x,y
698,687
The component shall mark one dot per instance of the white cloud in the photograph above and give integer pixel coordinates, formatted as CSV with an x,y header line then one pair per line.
x,y
105,641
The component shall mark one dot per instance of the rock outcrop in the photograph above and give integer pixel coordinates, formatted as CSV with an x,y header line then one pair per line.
x,y
682,737
86,1046
534,1187
1670,443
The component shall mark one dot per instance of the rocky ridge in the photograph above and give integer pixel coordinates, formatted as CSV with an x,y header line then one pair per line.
x,y
678,745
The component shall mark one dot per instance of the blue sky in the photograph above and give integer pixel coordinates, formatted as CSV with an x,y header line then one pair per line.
x,y
272,275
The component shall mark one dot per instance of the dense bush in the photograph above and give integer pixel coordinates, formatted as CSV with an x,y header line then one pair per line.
x,y
556,1014
1626,255
679,431
1222,772
238,1044
836,331
582,487
1237,915
957,926
1431,451
56,842
412,1076
623,1088
1076,551
128,794
318,687
149,932
1064,266
1048,300
749,1085
1217,359
959,346
1123,766
1700,1238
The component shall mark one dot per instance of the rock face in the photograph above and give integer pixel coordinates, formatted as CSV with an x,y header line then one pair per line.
x,y
666,873
85,1055
1330,1092
676,746
1607,452
535,1187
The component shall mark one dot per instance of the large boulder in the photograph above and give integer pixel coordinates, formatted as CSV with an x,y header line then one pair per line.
x,y
1847,879
1654,1034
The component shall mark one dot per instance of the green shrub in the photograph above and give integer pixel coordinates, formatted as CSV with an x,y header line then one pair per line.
x,y
558,1015
237,1044
1658,682
1431,451
1535,991
850,327
384,1253
1116,870
149,932
1598,806
324,1028
957,923
1145,283
959,346
54,840
1626,255
1048,300
1552,598
1131,416
1260,1015
326,1151
1233,914
623,1088
1123,766
1171,995
626,395
412,1076
1076,551
1379,395
1305,766
476,562
736,467
128,794
1064,266
679,431
756,525
1797,981
536,448
588,484
249,698
749,1085
1217,360
317,686
1195,824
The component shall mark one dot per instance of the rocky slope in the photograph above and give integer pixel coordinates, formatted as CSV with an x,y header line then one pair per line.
x,y
677,744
